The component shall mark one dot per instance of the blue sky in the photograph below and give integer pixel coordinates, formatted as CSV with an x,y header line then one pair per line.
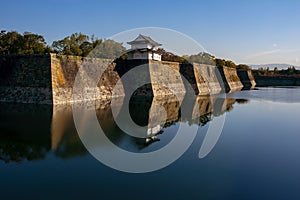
x,y
253,32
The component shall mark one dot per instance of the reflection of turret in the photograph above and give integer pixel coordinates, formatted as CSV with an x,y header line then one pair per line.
x,y
32,138
155,113
164,110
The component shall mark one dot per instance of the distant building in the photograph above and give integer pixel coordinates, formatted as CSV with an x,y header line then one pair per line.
x,y
144,47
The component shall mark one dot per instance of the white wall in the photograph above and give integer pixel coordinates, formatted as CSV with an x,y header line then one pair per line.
x,y
141,46
156,57
139,55
145,55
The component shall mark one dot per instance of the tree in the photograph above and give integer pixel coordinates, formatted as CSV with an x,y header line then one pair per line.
x,y
34,44
86,48
109,49
171,57
243,66
70,45
229,63
292,69
220,62
77,44
202,58
10,43
28,43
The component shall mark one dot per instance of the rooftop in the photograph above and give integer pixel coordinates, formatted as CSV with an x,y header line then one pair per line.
x,y
142,39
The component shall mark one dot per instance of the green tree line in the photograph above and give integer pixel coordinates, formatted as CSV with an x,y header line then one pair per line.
x,y
26,43
276,72
79,44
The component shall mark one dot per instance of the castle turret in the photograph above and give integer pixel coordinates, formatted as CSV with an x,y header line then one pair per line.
x,y
143,47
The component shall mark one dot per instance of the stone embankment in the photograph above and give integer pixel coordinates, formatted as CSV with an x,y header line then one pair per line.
x,y
50,78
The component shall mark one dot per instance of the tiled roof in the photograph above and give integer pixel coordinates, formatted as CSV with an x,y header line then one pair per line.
x,y
146,39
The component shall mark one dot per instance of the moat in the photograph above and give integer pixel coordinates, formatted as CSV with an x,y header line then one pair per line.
x,y
255,156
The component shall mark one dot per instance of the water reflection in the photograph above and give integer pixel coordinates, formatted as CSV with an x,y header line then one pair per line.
x,y
65,142
25,132
274,94
30,132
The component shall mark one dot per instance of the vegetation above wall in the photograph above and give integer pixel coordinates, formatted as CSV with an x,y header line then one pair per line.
x,y
26,43
76,44
79,44
266,72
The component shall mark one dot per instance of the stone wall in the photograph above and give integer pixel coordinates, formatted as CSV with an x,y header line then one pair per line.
x,y
49,79
64,70
208,79
135,77
166,78
25,78
191,77
246,78
230,79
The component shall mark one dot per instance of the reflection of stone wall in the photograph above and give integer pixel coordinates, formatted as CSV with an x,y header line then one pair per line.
x,y
44,128
163,110
65,142
208,105
203,106
24,131
62,118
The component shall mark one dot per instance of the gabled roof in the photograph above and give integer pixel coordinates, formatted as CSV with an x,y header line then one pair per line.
x,y
142,39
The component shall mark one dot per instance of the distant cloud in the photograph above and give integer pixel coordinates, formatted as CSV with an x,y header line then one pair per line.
x,y
263,53
277,55
275,51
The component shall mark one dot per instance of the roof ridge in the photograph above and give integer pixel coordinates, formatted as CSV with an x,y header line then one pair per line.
x,y
147,38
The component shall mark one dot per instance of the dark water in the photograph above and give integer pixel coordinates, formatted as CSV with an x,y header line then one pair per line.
x,y
257,155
